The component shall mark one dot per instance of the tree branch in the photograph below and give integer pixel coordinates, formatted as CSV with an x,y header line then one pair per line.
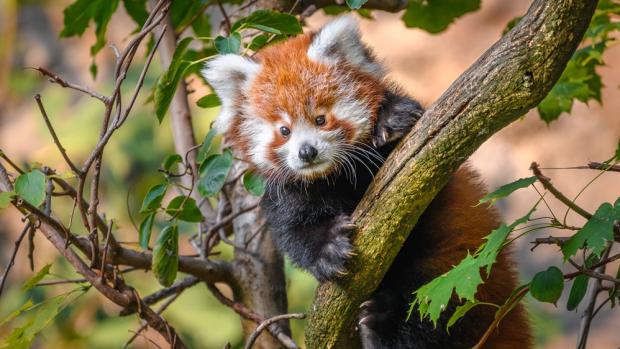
x,y
513,76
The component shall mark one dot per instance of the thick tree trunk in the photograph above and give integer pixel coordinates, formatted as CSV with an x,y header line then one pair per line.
x,y
512,77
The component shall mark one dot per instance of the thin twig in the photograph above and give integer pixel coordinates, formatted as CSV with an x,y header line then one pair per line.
x,y
247,313
52,132
62,82
546,182
225,15
268,322
175,289
594,285
12,260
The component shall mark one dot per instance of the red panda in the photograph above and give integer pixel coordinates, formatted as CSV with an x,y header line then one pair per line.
x,y
316,115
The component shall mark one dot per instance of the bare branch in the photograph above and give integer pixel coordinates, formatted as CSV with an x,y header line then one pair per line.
x,y
18,242
62,82
268,322
546,182
52,132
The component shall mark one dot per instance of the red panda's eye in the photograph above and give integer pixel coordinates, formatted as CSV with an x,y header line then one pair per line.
x,y
320,120
285,131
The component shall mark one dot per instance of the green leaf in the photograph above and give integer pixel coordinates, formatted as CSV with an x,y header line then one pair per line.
x,y
595,233
170,161
231,44
34,280
269,21
464,279
356,4
209,101
152,199
30,186
579,81
169,81
213,173
206,146
433,297
461,311
507,189
188,212
617,154
254,183
547,285
24,308
166,255
102,16
435,16
577,292
22,337
136,9
77,16
144,234
5,198
202,25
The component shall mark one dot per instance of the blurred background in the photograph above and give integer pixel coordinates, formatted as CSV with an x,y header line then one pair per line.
x,y
424,64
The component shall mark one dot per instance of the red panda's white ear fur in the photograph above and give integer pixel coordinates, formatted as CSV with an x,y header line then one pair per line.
x,y
230,76
339,42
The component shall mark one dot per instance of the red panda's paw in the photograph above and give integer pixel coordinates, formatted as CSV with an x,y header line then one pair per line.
x,y
332,260
375,314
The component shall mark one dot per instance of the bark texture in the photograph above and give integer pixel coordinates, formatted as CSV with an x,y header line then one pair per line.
x,y
512,77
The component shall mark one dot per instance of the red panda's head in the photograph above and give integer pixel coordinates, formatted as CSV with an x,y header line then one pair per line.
x,y
303,104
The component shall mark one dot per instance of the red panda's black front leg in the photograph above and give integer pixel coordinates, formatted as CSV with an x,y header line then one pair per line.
x,y
323,247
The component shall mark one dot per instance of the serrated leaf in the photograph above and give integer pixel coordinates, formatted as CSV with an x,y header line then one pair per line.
x,y
435,16
30,186
461,311
36,278
231,44
136,9
433,297
356,4
594,234
213,173
254,183
22,337
206,146
5,198
463,279
507,189
170,161
579,81
185,209
144,234
25,307
270,21
76,17
152,199
209,101
547,286
169,81
166,255
102,16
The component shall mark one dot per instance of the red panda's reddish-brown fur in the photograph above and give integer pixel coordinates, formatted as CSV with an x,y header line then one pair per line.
x,y
451,226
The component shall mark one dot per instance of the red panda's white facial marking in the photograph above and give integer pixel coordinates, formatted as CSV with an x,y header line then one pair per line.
x,y
304,106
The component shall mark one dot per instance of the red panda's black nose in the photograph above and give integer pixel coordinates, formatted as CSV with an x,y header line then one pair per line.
x,y
307,153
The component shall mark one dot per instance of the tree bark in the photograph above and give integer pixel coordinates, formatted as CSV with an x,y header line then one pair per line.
x,y
512,77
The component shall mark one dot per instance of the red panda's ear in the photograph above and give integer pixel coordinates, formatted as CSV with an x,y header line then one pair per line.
x,y
230,76
339,42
